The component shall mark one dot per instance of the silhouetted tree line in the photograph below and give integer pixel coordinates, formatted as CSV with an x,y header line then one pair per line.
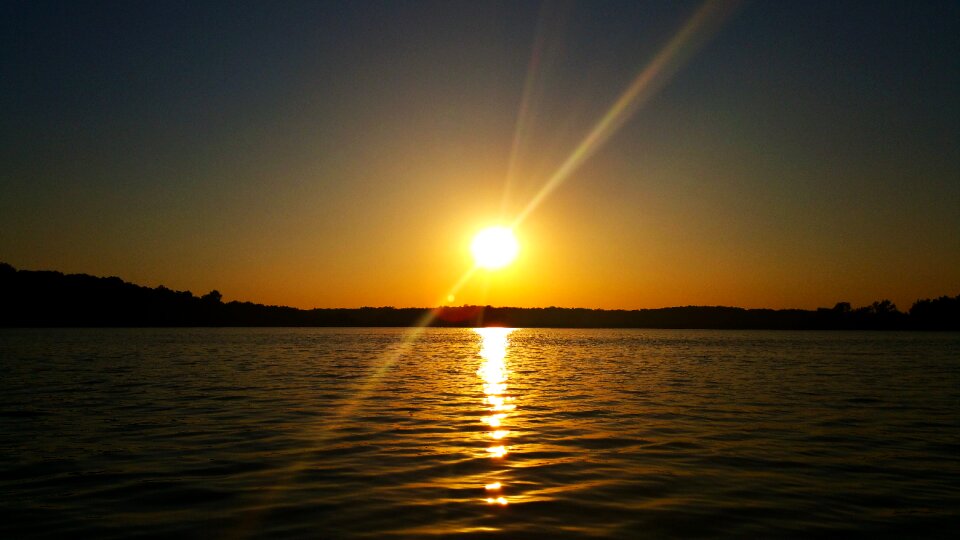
x,y
46,298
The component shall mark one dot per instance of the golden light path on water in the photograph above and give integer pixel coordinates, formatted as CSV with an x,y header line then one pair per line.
x,y
498,403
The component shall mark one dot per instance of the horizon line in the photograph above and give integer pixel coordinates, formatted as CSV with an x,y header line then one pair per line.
x,y
461,306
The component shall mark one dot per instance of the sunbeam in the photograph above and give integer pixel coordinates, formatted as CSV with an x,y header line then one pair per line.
x,y
693,34
545,46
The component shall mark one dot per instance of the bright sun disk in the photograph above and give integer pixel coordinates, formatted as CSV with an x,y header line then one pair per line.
x,y
494,247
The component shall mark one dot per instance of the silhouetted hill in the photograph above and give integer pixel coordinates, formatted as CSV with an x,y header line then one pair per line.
x,y
46,298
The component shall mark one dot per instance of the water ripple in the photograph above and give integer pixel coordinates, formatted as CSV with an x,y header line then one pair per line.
x,y
308,433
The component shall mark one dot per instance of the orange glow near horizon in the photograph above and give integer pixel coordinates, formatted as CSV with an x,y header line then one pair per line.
x,y
631,183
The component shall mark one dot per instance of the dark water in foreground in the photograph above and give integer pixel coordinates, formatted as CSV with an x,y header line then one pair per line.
x,y
338,433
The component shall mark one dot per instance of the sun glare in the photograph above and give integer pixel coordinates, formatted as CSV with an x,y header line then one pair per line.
x,y
494,247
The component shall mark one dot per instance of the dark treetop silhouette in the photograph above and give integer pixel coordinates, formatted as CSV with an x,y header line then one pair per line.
x,y
46,298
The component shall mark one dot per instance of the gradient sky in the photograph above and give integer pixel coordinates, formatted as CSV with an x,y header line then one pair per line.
x,y
343,154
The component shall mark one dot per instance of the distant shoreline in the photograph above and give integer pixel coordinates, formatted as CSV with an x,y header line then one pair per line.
x,y
52,299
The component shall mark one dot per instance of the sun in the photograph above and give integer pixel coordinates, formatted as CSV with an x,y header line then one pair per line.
x,y
494,247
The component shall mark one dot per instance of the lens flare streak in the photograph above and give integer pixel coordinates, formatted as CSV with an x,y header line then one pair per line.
x,y
697,30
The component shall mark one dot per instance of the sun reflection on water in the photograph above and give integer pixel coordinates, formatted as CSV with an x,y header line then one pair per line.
x,y
493,372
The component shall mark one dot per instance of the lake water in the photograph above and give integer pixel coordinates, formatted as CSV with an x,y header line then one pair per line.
x,y
378,433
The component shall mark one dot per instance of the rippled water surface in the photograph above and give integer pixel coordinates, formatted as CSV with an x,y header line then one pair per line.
x,y
347,433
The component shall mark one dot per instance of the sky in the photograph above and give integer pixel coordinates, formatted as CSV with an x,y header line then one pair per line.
x,y
343,154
